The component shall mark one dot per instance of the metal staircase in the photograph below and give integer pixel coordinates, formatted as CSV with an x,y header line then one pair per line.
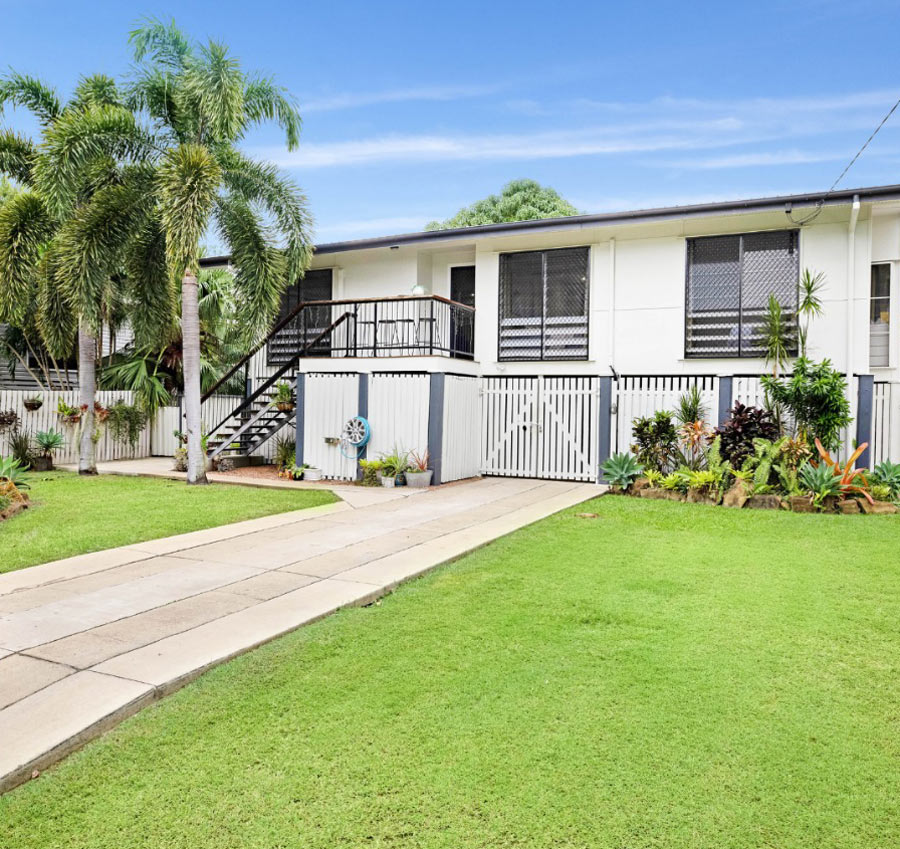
x,y
256,419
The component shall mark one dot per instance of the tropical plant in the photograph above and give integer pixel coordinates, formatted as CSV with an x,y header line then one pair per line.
x,y
419,461
21,446
881,492
653,476
175,141
677,481
9,419
519,200
693,437
12,474
393,464
744,425
126,422
284,393
655,441
850,480
285,450
810,305
66,411
887,474
704,480
820,482
690,406
622,470
815,396
778,336
49,441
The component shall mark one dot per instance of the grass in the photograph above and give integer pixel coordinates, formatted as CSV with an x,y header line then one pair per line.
x,y
666,675
74,515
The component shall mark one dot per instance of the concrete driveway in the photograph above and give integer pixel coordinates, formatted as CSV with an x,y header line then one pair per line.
x,y
88,641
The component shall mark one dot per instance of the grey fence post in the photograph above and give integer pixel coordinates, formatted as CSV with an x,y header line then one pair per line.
x,y
865,392
362,410
726,393
604,424
299,416
436,425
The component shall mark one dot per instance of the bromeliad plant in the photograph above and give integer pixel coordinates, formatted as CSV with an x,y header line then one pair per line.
x,y
820,482
887,474
850,481
622,470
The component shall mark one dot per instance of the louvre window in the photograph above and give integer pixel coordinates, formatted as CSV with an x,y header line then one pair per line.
x,y
729,280
880,316
544,305
315,285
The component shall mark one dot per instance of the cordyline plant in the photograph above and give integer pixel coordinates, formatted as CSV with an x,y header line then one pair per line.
x,y
174,172
851,481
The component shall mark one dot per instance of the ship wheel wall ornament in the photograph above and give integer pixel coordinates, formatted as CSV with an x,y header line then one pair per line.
x,y
354,437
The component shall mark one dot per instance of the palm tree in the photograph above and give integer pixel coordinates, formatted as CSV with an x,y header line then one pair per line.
x,y
175,139
810,306
33,285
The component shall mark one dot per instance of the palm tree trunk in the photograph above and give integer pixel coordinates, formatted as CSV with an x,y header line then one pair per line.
x,y
190,335
87,386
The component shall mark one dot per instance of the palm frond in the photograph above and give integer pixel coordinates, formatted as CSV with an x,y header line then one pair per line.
x,y
261,269
92,241
25,227
261,183
163,44
188,180
79,138
138,372
215,85
30,93
96,90
17,156
152,293
57,316
265,101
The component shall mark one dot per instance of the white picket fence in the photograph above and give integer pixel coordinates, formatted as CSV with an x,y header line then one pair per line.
x,y
46,418
885,422
638,396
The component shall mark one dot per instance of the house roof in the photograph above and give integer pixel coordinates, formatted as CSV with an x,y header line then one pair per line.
x,y
575,222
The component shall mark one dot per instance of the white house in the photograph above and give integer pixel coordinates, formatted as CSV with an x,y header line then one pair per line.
x,y
539,324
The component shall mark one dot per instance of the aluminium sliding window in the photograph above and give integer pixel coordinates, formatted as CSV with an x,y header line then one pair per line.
x,y
880,316
729,280
544,305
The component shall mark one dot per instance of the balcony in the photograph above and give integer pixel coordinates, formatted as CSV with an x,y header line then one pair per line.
x,y
410,326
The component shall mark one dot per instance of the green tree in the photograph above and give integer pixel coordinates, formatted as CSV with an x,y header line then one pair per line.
x,y
520,200
175,138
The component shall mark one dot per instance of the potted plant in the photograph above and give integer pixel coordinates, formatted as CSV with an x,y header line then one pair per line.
x,y
48,441
312,473
284,396
393,465
68,414
371,472
33,403
9,419
418,474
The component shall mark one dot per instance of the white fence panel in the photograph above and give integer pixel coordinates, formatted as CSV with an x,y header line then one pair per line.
x,y
163,441
748,390
46,418
885,423
460,453
509,417
637,396
398,413
568,430
331,399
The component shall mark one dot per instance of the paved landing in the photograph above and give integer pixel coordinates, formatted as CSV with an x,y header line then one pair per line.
x,y
88,641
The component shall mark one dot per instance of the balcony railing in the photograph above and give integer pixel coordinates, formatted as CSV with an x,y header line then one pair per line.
x,y
377,327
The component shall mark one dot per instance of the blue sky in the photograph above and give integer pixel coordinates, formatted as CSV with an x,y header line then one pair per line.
x,y
412,110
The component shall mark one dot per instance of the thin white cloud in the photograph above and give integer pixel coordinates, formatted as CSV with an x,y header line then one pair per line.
x,y
353,100
755,160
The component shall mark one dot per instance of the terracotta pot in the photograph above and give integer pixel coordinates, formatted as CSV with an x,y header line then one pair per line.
x,y
285,406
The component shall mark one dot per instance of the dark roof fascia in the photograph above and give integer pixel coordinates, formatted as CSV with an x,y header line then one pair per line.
x,y
580,222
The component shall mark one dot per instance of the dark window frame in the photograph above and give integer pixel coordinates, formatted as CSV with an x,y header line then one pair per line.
x,y
739,354
543,318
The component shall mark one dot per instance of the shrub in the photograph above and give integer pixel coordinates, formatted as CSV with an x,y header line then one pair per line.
x,y
622,470
690,406
743,426
370,470
285,452
887,474
677,481
49,441
815,397
881,492
126,423
653,476
655,441
21,446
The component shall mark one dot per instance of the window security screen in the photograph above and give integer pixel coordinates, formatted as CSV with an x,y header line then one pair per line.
x,y
544,305
729,280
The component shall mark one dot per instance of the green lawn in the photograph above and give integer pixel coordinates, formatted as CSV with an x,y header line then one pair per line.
x,y
73,515
666,675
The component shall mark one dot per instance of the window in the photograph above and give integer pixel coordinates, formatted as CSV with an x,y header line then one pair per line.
x,y
544,305
880,316
729,280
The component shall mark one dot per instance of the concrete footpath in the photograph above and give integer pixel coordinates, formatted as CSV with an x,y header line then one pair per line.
x,y
87,641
